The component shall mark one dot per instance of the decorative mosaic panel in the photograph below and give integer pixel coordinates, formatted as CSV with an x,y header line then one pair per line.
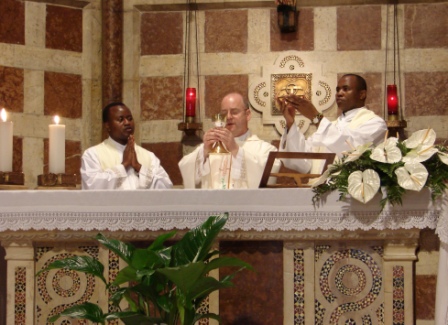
x,y
348,286
20,295
398,295
299,287
114,268
59,289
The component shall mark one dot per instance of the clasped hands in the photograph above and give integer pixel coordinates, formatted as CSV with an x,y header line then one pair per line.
x,y
290,103
130,156
219,134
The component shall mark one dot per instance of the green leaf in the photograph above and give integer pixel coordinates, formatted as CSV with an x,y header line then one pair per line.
x,y
205,286
126,274
157,244
184,276
86,310
122,249
196,243
138,319
85,264
226,261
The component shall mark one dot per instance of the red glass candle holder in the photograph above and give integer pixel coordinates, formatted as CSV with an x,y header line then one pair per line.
x,y
190,104
392,101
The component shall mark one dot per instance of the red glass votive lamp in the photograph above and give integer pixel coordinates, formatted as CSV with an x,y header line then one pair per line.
x,y
190,104
392,102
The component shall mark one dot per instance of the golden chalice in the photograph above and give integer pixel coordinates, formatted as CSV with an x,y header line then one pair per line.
x,y
219,121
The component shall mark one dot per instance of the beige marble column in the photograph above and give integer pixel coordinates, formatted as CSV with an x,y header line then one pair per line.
x,y
20,285
399,258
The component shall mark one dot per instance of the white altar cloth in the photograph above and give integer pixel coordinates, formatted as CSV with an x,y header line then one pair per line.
x,y
259,210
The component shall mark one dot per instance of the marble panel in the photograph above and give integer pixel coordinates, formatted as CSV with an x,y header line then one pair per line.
x,y
169,153
11,89
72,157
256,297
17,155
425,93
12,22
426,25
63,28
161,98
358,28
425,296
375,93
428,240
63,94
226,31
162,33
301,40
216,87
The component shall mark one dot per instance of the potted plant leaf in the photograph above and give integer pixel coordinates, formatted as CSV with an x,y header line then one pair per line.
x,y
161,284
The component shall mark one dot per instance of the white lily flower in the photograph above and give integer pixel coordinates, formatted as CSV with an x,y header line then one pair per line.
x,y
443,157
422,145
425,138
412,176
420,154
323,178
387,152
363,186
355,154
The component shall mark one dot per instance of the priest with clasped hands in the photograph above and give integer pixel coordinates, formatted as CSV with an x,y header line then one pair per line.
x,y
356,125
117,162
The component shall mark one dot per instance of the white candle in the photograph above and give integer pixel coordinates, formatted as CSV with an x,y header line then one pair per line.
x,y
5,143
56,157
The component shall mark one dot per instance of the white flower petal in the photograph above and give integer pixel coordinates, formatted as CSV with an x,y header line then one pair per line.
x,y
363,186
355,154
443,157
412,176
425,137
322,178
387,152
420,153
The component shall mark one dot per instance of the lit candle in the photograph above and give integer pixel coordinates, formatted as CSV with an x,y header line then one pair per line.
x,y
392,100
190,107
5,143
56,157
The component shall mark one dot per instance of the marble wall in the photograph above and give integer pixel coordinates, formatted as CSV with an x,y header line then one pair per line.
x,y
51,63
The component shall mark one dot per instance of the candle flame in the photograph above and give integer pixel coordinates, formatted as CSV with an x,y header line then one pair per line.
x,y
56,119
3,115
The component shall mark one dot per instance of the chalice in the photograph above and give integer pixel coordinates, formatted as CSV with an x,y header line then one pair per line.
x,y
219,121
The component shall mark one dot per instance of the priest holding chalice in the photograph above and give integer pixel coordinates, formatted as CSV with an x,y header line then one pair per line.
x,y
230,156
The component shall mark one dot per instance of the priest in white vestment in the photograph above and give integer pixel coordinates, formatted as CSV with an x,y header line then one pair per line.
x,y
249,153
355,126
117,162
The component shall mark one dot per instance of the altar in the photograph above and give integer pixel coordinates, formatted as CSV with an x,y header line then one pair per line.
x,y
342,262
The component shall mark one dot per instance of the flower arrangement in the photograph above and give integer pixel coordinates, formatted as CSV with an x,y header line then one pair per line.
x,y
393,166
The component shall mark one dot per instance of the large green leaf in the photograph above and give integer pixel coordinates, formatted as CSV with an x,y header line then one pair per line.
x,y
86,310
204,286
157,244
184,276
85,264
227,261
144,258
196,243
141,320
126,274
122,249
